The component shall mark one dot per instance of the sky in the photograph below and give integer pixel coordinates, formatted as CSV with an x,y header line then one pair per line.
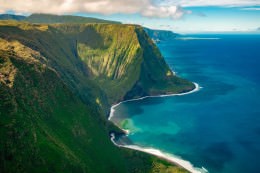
x,y
182,16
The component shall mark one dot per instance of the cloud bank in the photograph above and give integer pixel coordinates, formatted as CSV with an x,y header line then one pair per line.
x,y
147,8
251,8
220,3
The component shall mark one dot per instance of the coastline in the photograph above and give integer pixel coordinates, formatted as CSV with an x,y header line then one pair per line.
x,y
166,156
169,157
112,109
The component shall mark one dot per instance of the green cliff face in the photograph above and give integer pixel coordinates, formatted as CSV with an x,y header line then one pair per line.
x,y
155,77
124,61
44,127
57,83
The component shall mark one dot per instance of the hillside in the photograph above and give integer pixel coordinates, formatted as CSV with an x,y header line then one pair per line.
x,y
57,83
160,35
11,17
50,18
123,61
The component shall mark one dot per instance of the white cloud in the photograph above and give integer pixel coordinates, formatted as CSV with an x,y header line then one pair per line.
x,y
146,8
164,11
223,3
251,9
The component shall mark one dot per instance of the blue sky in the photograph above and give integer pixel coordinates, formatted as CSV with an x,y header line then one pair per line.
x,y
182,16
201,19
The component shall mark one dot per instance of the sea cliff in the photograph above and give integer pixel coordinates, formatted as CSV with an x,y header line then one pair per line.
x,y
58,82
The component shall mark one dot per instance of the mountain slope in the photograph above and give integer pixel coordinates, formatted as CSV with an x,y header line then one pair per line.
x,y
124,61
156,77
45,122
57,83
110,58
11,17
50,18
160,35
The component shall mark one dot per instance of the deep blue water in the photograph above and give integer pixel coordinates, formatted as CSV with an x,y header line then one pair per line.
x,y
217,127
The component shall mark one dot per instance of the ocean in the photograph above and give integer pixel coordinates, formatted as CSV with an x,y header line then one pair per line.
x,y
217,127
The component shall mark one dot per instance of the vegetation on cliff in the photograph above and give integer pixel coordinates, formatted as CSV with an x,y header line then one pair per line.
x,y
57,83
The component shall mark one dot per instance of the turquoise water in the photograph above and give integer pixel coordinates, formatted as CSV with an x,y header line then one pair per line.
x,y
217,127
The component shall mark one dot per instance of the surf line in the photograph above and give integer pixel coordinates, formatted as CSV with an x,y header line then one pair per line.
x,y
169,157
112,110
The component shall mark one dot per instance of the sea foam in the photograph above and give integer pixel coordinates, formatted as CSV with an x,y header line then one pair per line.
x,y
112,110
169,157
172,158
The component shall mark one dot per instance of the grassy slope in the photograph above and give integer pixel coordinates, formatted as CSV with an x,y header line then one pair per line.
x,y
52,101
46,127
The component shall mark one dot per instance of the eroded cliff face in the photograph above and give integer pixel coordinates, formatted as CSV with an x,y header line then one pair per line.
x,y
124,61
57,83
106,62
115,64
45,127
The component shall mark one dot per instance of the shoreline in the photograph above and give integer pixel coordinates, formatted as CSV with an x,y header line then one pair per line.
x,y
112,109
162,155
169,157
